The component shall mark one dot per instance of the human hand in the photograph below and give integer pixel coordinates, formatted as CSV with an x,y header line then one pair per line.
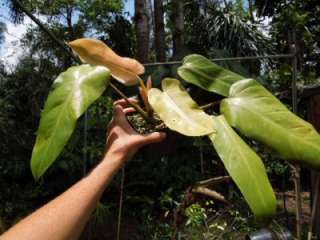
x,y
122,140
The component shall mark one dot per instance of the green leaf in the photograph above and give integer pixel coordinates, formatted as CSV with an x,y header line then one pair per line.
x,y
72,93
245,167
256,113
200,71
178,111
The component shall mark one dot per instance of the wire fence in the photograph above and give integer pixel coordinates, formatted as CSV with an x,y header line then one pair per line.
x,y
276,56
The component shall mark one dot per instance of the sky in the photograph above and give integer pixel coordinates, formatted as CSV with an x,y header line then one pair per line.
x,y
10,50
129,7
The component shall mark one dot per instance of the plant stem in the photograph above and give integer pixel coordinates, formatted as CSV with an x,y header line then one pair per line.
x,y
213,181
144,94
209,105
134,105
296,180
160,126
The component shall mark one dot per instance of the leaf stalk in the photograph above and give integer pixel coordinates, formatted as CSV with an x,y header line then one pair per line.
x,y
134,105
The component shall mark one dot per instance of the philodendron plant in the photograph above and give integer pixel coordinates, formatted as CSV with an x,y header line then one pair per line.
x,y
247,107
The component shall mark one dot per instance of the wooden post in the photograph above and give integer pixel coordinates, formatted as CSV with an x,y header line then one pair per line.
x,y
296,168
314,119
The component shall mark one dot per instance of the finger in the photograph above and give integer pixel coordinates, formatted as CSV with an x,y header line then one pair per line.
x,y
118,114
152,137
129,110
123,103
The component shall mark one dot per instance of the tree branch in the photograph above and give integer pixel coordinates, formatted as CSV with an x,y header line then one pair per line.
x,y
43,28
213,181
210,193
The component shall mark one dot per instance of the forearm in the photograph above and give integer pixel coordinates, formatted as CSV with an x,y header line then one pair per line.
x,y
66,216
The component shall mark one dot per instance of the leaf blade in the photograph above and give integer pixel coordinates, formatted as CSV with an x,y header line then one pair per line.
x,y
73,92
178,111
95,52
274,125
245,167
201,72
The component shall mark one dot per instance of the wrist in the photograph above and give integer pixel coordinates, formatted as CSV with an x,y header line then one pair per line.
x,y
116,157
122,154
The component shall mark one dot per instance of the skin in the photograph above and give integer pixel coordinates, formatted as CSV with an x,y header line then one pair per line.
x,y
65,217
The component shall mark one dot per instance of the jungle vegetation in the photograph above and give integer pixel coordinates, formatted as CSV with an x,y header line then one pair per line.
x,y
158,203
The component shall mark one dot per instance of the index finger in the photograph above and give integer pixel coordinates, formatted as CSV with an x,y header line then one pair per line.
x,y
123,103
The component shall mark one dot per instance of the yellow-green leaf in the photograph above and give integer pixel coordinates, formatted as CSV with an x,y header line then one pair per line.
x,y
245,167
198,70
256,113
95,52
72,93
178,111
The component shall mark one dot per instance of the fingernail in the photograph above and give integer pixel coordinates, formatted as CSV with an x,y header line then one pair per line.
x,y
162,134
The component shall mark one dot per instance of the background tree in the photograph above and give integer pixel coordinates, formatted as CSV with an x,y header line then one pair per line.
x,y
160,44
142,30
2,30
177,19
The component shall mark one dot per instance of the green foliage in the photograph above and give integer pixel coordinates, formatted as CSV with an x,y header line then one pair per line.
x,y
98,14
178,111
119,31
20,105
238,8
73,92
279,79
200,71
299,16
225,29
196,215
249,102
293,138
245,167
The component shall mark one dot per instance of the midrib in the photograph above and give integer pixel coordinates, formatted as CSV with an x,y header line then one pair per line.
x,y
180,112
247,166
56,125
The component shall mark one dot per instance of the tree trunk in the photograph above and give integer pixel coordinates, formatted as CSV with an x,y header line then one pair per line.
x,y
177,18
142,30
159,34
69,12
251,11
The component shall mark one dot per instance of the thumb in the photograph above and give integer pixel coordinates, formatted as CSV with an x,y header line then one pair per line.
x,y
152,137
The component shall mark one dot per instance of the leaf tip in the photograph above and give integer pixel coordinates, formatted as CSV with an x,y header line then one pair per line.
x,y
35,173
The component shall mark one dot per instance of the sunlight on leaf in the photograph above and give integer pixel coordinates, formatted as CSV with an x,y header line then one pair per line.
x,y
245,167
96,52
72,93
200,71
259,115
178,111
